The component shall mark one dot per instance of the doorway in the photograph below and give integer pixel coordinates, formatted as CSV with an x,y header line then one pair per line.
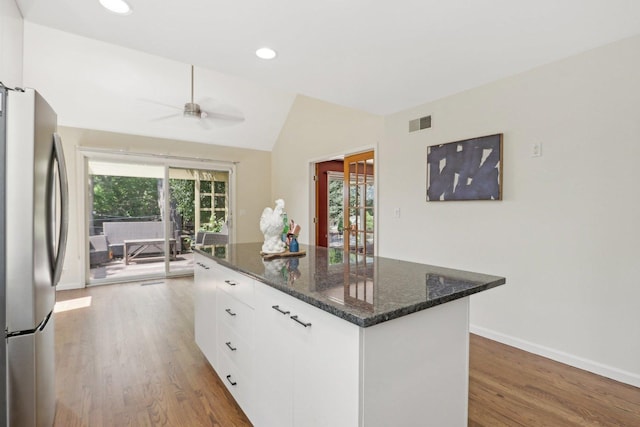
x,y
345,214
144,215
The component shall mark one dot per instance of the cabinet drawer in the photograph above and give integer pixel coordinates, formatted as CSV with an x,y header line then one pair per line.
x,y
237,315
236,349
239,386
238,285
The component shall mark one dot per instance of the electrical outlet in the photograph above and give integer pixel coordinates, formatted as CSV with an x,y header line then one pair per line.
x,y
396,212
536,149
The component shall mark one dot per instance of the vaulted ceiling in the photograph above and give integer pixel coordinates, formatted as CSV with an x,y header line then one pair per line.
x,y
376,56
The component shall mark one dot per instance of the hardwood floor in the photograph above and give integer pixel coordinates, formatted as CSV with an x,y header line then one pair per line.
x,y
510,387
129,359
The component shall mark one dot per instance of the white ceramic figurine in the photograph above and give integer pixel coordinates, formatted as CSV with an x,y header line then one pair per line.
x,y
272,225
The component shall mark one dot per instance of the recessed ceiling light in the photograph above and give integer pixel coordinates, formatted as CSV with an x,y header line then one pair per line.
x,y
265,53
120,7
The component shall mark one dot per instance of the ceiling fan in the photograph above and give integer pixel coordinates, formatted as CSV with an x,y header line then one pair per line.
x,y
213,112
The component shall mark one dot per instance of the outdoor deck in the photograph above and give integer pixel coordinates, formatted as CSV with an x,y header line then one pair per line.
x,y
117,269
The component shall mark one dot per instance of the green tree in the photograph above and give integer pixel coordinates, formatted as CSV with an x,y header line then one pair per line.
x,y
125,196
183,194
335,202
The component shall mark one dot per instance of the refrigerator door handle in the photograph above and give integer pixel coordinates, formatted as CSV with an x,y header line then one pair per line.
x,y
58,261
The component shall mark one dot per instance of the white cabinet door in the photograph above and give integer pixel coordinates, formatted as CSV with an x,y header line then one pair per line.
x,y
273,364
205,307
325,368
307,361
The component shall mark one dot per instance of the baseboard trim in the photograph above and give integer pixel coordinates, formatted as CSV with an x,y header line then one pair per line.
x,y
68,286
559,356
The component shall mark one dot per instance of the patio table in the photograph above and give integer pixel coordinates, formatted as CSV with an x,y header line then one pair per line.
x,y
137,246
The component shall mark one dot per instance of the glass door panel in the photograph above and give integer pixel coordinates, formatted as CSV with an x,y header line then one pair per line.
x,y
182,192
126,221
199,204
335,210
359,202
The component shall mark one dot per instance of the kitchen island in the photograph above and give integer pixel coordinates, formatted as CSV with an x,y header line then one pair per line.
x,y
336,339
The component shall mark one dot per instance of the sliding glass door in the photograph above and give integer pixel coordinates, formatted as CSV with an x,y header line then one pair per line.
x,y
144,216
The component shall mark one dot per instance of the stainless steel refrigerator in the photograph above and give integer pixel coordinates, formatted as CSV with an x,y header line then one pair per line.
x,y
33,233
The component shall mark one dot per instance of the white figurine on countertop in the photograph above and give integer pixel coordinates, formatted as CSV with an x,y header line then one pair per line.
x,y
272,226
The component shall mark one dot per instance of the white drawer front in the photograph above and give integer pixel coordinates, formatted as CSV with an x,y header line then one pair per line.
x,y
238,285
236,349
237,315
236,383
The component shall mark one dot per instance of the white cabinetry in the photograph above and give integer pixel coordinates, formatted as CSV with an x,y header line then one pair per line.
x,y
224,326
307,364
288,363
235,335
204,302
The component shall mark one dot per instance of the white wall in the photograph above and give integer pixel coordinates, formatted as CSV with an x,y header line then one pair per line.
x,y
316,131
565,235
11,38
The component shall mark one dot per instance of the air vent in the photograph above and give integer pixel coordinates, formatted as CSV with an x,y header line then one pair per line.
x,y
419,124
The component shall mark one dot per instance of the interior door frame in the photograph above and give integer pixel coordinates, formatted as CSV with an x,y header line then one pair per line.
x,y
322,188
312,188
84,154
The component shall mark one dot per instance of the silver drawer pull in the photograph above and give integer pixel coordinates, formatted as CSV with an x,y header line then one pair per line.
x,y
230,347
295,318
229,282
231,313
277,308
230,380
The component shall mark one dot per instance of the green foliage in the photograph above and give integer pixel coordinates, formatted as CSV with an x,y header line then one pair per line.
x,y
183,194
214,225
368,220
335,256
336,202
125,196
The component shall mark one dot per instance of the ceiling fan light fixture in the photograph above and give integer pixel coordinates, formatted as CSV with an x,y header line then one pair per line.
x,y
265,53
120,7
192,109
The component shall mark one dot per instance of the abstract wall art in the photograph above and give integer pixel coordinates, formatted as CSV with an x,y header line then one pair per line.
x,y
465,170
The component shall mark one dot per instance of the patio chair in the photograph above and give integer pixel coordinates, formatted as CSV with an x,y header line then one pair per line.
x,y
199,237
98,250
211,238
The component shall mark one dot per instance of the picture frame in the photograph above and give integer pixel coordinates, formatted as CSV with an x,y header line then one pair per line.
x,y
470,169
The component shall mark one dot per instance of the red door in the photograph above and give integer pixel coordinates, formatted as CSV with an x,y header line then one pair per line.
x,y
323,171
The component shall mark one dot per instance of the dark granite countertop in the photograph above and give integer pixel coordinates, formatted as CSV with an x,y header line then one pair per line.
x,y
362,290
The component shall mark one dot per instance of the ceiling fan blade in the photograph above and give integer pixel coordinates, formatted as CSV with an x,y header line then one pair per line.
x,y
151,101
169,116
220,113
230,117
